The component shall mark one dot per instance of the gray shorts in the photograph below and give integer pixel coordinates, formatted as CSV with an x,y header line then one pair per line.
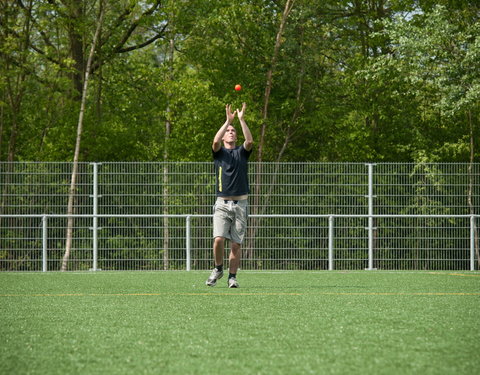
x,y
230,219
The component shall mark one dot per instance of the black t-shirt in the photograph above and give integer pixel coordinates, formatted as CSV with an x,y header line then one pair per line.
x,y
231,171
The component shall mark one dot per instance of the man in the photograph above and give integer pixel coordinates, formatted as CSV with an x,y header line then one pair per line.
x,y
230,210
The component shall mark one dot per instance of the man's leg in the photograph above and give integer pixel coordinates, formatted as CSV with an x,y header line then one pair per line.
x,y
235,257
217,272
218,250
234,264
238,233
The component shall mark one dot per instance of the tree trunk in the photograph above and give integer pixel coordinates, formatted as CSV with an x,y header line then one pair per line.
x,y
71,195
75,11
268,88
168,129
268,85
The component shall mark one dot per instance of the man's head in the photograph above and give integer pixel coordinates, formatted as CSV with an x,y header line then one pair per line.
x,y
230,136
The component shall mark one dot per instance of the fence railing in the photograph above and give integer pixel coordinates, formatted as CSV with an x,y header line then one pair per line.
x,y
464,244
134,215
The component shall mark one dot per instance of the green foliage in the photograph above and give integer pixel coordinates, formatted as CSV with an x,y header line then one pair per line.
x,y
434,62
353,81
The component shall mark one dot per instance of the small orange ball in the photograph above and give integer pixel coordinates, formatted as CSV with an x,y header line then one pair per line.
x,y
238,87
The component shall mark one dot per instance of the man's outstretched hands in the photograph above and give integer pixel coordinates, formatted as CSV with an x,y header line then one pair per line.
x,y
230,114
241,112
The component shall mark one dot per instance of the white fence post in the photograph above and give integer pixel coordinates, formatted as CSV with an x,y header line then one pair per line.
x,y
370,217
95,218
330,243
44,243
472,243
187,247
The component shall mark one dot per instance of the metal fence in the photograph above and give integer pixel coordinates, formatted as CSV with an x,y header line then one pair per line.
x,y
315,216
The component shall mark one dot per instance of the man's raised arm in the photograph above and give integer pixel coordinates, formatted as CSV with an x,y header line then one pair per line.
x,y
217,140
248,144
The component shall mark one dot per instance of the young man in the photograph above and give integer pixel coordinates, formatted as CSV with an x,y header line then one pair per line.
x,y
230,211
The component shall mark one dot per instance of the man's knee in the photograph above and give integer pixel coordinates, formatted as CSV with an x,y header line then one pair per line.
x,y
219,240
235,247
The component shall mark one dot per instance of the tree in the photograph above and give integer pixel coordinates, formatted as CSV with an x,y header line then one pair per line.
x,y
71,195
434,65
16,32
323,84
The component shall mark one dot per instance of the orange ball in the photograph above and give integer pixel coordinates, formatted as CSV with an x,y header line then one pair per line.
x,y
238,87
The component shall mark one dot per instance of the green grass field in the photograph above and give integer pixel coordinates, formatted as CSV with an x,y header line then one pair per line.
x,y
366,322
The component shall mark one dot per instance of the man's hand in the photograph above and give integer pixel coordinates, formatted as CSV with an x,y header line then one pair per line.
x,y
242,112
230,114
248,144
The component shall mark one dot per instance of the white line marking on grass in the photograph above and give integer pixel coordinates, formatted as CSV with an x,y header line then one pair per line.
x,y
149,294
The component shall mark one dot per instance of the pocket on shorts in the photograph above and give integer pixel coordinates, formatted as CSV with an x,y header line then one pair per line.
x,y
242,213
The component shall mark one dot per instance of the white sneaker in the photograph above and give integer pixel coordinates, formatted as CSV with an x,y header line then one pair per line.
x,y
214,276
233,283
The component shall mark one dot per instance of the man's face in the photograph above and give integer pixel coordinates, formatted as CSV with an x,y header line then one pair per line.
x,y
230,135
